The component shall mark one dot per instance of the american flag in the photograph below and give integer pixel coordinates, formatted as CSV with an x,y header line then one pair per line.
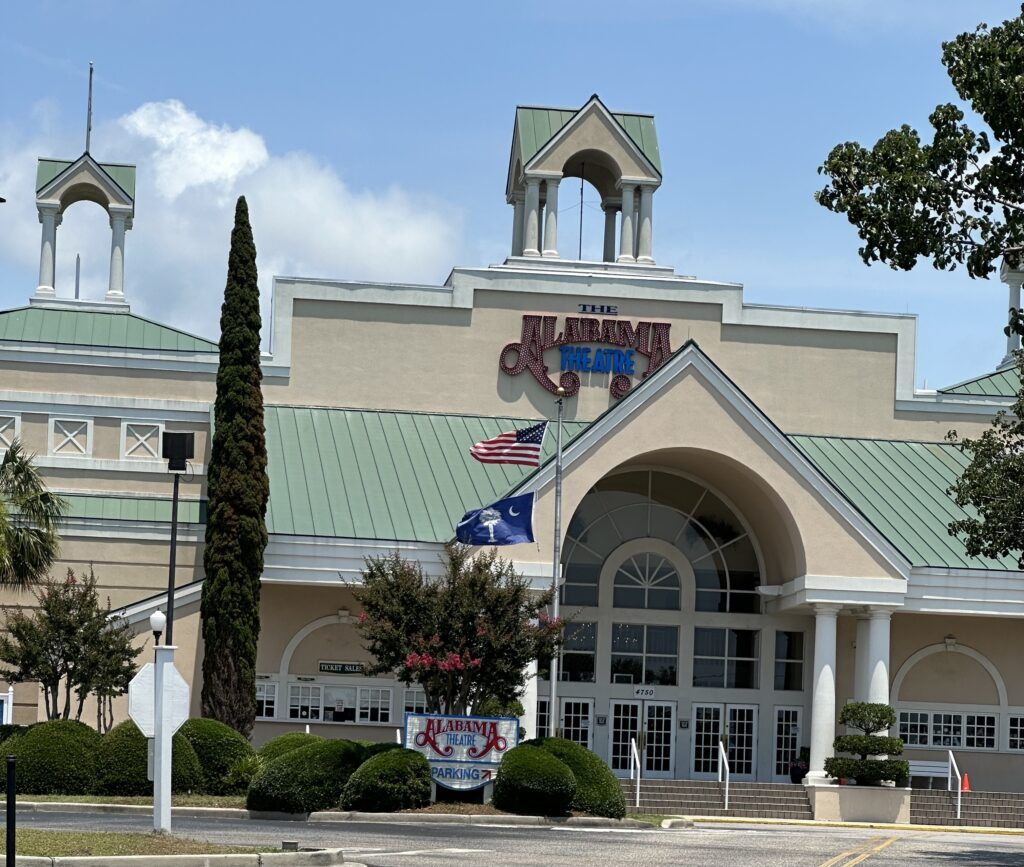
x,y
515,447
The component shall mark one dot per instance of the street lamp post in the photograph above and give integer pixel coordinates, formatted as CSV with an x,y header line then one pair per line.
x,y
178,450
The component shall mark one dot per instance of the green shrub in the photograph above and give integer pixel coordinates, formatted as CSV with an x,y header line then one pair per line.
x,y
122,761
219,747
55,758
597,790
7,730
869,718
306,779
277,747
375,749
532,782
239,777
392,780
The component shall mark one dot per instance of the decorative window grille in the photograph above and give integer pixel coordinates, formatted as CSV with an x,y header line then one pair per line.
x,y
70,437
142,441
8,431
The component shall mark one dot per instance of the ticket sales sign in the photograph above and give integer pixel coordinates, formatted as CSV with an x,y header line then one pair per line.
x,y
463,751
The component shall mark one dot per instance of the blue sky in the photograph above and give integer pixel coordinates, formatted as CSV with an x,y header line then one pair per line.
x,y
372,140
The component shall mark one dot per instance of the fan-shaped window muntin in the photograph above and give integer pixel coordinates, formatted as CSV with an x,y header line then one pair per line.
x,y
654,504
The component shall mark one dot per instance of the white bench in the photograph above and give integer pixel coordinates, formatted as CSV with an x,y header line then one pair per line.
x,y
930,770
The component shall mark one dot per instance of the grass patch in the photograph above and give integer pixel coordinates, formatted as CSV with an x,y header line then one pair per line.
x,y
141,800
649,818
107,844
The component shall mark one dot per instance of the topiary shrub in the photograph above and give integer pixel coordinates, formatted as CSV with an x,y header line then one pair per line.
x,y
219,748
868,718
277,747
306,779
55,758
392,780
597,790
123,757
531,781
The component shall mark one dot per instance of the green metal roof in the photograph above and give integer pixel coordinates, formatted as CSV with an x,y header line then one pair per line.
x,y
538,125
900,487
399,476
121,174
97,329
116,508
1002,383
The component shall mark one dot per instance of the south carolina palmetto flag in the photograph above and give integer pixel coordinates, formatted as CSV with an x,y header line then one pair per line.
x,y
514,447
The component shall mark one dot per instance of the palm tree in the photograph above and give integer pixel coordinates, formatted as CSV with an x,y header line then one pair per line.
x,y
29,515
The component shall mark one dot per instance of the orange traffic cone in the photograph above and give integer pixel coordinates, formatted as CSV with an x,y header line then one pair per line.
x,y
966,787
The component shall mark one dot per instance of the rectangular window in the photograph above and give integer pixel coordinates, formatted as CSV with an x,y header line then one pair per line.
x,y
947,729
726,658
304,702
543,717
645,654
980,731
340,703
1017,733
789,660
375,704
266,700
579,652
415,701
914,728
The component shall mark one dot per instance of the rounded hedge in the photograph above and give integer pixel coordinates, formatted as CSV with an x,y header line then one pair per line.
x,y
122,761
277,747
306,779
391,780
531,781
597,790
55,758
219,748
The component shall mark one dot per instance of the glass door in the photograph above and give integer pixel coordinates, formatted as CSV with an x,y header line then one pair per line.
x,y
659,732
741,744
787,741
625,727
706,733
576,720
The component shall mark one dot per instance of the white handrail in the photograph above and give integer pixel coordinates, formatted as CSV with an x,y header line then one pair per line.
x,y
951,768
634,762
723,762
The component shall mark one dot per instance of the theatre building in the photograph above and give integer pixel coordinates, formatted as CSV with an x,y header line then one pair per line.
x,y
754,499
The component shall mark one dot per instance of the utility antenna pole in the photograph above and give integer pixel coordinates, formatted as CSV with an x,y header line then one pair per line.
x,y
88,115
583,171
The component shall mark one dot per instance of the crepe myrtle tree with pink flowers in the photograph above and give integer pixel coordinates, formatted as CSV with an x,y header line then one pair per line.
x,y
464,637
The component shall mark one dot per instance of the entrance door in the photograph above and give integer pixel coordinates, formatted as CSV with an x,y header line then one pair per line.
x,y
576,720
652,724
736,726
787,741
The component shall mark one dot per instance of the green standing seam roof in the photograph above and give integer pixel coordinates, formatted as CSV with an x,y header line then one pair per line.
x,y
96,329
538,125
1002,383
121,174
395,476
900,487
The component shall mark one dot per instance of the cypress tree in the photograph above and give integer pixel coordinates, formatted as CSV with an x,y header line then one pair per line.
x,y
237,491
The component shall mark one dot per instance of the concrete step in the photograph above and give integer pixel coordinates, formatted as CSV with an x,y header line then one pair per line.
x,y
706,798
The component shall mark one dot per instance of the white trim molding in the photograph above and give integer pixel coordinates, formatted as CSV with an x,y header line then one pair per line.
x,y
953,647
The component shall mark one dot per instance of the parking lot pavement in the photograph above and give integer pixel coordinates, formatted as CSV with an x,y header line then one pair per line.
x,y
403,844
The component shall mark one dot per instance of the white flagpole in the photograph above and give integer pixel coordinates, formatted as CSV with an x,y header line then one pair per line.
x,y
556,568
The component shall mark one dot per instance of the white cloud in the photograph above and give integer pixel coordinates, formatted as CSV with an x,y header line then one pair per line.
x,y
306,219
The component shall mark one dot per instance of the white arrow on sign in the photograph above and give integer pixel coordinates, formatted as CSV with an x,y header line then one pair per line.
x,y
141,699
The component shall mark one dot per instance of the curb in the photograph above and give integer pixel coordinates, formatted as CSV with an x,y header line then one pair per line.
x,y
670,824
824,823
320,858
477,819
328,816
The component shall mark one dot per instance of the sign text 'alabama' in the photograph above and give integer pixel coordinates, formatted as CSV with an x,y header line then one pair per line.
x,y
464,751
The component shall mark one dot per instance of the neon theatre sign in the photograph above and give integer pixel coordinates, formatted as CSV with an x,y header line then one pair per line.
x,y
587,345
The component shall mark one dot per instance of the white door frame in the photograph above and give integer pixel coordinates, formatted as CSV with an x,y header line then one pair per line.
x,y
799,711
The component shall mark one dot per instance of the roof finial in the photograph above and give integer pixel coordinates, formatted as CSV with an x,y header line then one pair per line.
x,y
88,115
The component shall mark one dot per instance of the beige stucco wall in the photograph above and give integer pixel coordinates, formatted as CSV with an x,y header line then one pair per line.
x,y
114,381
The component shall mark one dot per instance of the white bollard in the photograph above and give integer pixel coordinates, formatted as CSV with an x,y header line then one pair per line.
x,y
162,743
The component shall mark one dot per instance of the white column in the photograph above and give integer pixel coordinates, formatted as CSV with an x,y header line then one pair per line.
x,y
531,219
551,218
626,229
878,656
50,219
610,208
823,702
517,224
528,700
861,674
115,288
644,239
1013,279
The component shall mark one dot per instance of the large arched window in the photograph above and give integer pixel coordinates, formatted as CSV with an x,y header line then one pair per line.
x,y
652,504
